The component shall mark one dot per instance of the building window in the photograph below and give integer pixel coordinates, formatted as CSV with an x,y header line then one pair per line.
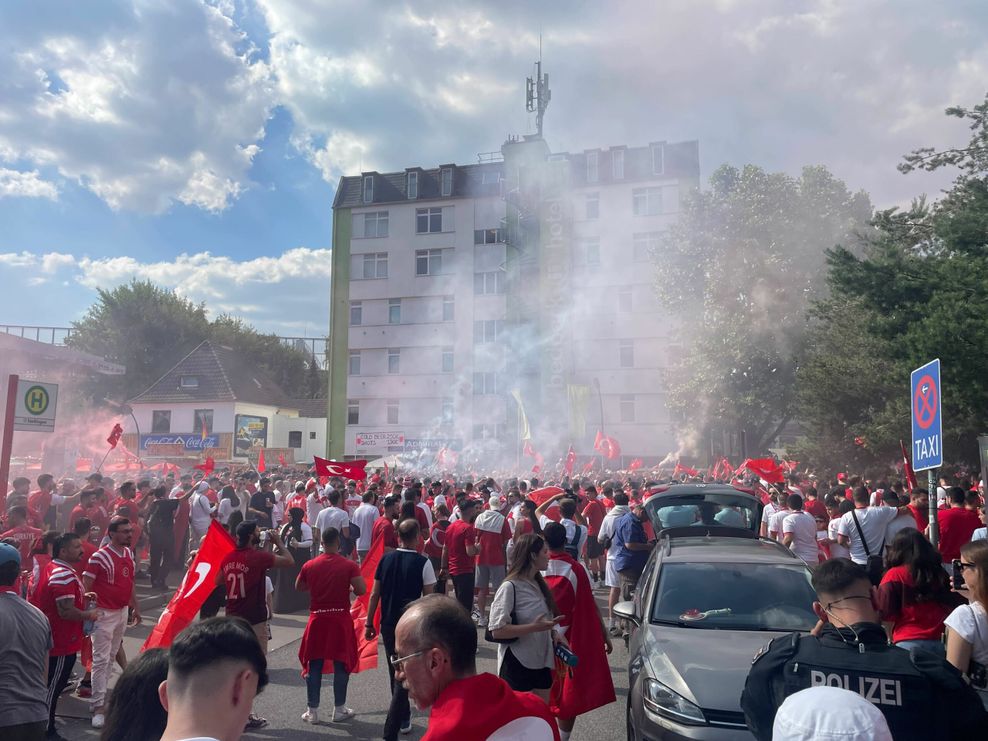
x,y
485,284
188,382
369,189
352,412
617,164
627,407
161,421
626,353
449,309
488,236
593,205
485,383
592,170
447,411
376,224
413,185
356,313
375,265
295,438
446,181
658,159
487,330
394,311
490,177
624,299
202,421
646,201
428,220
447,361
392,411
428,262
312,436
354,367
489,432
586,252
394,361
645,245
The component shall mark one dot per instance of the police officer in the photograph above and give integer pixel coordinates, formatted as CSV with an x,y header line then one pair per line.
x,y
921,696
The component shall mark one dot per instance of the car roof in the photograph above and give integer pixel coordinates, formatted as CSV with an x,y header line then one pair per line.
x,y
701,549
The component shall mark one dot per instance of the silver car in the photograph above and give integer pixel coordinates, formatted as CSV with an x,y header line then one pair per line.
x,y
711,595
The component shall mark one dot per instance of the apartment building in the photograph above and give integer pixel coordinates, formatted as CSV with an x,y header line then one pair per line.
x,y
459,288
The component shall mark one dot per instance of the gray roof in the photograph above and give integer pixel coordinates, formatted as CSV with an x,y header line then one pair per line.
x,y
222,375
310,407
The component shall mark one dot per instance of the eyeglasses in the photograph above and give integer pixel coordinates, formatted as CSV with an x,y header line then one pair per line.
x,y
842,599
965,566
397,661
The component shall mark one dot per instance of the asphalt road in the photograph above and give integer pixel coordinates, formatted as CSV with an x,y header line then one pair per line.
x,y
283,701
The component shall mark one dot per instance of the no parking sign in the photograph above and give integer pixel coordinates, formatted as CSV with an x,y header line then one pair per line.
x,y
927,421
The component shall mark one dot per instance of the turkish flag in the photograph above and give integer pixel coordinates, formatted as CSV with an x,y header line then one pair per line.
x,y
366,649
115,434
530,451
907,467
206,466
765,468
588,467
198,584
680,469
607,446
570,460
635,464
260,462
281,459
540,496
349,470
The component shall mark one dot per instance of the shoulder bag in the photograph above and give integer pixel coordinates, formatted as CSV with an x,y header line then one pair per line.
x,y
488,636
875,565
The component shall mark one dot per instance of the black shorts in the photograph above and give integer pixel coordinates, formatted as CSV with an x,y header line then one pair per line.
x,y
522,679
594,548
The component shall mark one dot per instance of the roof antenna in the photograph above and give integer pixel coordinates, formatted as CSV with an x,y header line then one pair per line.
x,y
537,93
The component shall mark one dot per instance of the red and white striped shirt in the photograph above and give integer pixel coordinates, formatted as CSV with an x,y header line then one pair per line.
x,y
112,573
62,583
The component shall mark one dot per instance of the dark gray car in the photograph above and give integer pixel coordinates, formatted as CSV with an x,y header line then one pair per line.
x,y
711,595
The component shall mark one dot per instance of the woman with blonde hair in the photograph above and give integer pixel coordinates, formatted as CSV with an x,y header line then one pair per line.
x,y
967,626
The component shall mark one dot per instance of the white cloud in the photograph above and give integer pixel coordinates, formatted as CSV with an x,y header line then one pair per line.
x,y
286,294
25,184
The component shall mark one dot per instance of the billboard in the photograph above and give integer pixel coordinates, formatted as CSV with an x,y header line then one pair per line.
x,y
190,441
249,433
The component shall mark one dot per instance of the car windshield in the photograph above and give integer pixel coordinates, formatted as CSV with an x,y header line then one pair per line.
x,y
735,596
709,513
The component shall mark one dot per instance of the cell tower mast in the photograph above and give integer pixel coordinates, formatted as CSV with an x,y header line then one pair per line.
x,y
537,93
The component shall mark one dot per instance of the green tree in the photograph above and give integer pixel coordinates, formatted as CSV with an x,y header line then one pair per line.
x,y
739,270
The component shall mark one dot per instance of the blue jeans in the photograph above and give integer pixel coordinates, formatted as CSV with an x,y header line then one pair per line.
x,y
930,646
313,682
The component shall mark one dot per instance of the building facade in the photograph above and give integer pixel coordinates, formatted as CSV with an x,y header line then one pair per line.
x,y
464,294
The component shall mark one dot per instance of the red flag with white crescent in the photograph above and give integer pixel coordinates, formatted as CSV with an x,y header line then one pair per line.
x,y
367,649
570,460
908,469
348,470
198,584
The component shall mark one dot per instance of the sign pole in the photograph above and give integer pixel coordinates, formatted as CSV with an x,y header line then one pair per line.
x,y
934,512
8,430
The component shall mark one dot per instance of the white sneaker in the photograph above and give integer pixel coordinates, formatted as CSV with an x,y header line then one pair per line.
x,y
482,622
311,715
342,713
99,720
407,728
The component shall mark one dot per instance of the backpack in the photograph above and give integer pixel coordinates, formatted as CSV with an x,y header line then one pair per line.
x,y
570,545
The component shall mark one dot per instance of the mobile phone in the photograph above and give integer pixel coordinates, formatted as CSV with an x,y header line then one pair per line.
x,y
957,577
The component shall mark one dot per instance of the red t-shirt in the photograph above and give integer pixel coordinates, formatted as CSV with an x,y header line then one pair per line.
x,y
922,517
25,537
437,536
113,577
421,519
816,508
957,525
38,503
243,572
458,535
328,578
127,506
594,514
912,620
524,526
96,514
492,545
384,528
63,583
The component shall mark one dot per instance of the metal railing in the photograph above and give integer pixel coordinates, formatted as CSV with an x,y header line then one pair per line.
x,y
48,335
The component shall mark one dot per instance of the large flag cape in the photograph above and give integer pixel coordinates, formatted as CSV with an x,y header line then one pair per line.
x,y
765,468
198,584
588,685
367,649
348,470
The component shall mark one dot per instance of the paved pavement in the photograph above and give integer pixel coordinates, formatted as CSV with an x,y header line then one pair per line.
x,y
283,701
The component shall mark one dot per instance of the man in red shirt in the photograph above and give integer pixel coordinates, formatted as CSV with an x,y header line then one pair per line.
x,y
384,526
594,514
24,536
957,524
329,643
89,508
242,573
493,534
110,574
458,554
41,503
919,506
62,600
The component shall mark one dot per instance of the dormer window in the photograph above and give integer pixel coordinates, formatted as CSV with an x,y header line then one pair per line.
x,y
446,181
188,382
368,189
413,185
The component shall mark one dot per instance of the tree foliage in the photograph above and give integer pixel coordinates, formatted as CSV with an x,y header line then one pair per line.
x,y
739,269
148,329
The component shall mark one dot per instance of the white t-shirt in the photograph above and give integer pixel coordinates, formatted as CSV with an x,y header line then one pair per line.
x,y
364,517
200,510
775,523
802,525
980,534
971,623
278,512
224,511
332,517
428,512
313,506
836,549
767,512
900,523
608,525
873,521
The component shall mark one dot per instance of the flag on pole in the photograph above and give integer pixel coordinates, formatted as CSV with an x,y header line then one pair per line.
x,y
765,468
281,459
635,464
387,472
260,462
908,470
206,466
681,469
607,446
115,434
348,470
523,428
570,461
198,584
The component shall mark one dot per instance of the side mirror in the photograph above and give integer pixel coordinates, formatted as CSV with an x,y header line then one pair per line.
x,y
626,611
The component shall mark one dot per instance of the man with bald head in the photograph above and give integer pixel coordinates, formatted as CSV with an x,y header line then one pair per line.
x,y
435,660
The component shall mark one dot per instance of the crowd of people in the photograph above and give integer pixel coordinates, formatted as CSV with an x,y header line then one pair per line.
x,y
438,561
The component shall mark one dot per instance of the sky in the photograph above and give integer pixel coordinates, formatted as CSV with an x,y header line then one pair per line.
x,y
199,144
